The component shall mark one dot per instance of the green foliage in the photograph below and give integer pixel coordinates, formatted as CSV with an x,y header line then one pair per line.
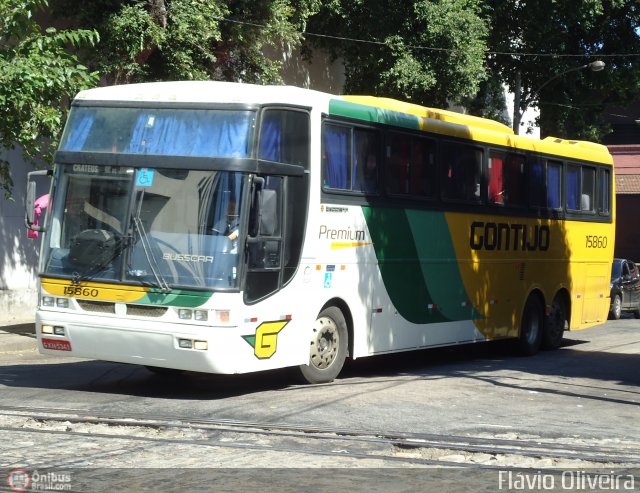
x,y
572,103
428,51
147,40
38,72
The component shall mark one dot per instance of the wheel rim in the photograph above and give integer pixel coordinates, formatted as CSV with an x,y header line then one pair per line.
x,y
325,343
617,306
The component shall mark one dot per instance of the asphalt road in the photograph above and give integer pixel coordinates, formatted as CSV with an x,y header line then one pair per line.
x,y
589,388
583,396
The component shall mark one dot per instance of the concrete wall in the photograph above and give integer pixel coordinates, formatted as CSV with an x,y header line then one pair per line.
x,y
18,254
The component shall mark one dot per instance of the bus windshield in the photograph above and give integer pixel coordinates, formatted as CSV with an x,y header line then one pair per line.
x,y
160,227
159,131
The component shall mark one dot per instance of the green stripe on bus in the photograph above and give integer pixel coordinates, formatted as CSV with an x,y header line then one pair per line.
x,y
177,297
420,269
371,114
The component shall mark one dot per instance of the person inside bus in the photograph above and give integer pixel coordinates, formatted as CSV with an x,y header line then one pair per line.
x,y
230,228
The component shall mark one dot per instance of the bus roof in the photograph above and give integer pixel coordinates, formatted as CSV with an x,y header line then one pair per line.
x,y
204,92
367,108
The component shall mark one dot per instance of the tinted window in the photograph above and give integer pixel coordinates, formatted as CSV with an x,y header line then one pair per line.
x,y
410,163
349,159
284,137
461,172
506,180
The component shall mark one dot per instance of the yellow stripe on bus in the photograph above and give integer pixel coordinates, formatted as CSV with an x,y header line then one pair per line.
x,y
336,245
94,291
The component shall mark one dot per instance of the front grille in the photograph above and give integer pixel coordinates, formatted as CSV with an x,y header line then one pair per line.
x,y
146,311
97,306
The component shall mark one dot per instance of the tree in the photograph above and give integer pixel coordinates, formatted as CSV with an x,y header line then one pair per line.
x,y
425,51
38,73
149,40
533,42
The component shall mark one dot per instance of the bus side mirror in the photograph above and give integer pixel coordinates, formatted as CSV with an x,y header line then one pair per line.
x,y
31,214
30,204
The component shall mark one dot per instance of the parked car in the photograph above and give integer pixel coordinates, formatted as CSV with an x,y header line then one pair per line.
x,y
625,288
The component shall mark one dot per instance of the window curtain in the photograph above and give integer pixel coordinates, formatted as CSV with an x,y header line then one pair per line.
x,y
184,135
335,141
496,187
554,176
78,130
573,188
537,187
270,138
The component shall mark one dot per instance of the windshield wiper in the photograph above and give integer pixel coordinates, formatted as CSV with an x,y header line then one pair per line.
x,y
148,251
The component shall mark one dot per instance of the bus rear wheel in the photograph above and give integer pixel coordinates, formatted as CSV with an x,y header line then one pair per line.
x,y
328,347
531,327
555,325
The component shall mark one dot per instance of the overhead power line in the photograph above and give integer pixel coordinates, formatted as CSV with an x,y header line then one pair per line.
x,y
433,48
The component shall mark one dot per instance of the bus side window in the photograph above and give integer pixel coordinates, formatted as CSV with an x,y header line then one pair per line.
x,y
587,202
365,161
604,191
514,180
495,186
461,172
284,137
336,157
537,184
422,182
397,163
554,185
573,187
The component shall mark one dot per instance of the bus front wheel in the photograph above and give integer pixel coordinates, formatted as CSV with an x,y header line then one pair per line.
x,y
328,347
531,327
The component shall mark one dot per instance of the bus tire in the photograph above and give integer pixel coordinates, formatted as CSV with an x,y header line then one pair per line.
x,y
555,324
328,347
531,327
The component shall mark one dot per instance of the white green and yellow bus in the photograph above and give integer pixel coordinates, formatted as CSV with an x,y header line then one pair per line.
x,y
230,228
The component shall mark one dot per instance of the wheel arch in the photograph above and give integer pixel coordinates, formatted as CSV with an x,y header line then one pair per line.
x,y
348,318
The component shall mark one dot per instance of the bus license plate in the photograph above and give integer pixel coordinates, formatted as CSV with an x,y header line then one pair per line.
x,y
56,344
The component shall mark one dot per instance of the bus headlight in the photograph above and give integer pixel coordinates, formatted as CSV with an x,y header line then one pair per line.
x,y
48,301
62,302
185,314
201,315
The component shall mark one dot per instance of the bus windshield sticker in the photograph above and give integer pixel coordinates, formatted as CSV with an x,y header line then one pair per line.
x,y
145,177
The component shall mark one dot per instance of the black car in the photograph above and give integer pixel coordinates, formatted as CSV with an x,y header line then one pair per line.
x,y
625,288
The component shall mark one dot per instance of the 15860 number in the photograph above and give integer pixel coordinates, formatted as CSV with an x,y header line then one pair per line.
x,y
80,291
594,241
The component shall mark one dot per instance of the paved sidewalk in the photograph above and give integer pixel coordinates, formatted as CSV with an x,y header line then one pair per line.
x,y
17,336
